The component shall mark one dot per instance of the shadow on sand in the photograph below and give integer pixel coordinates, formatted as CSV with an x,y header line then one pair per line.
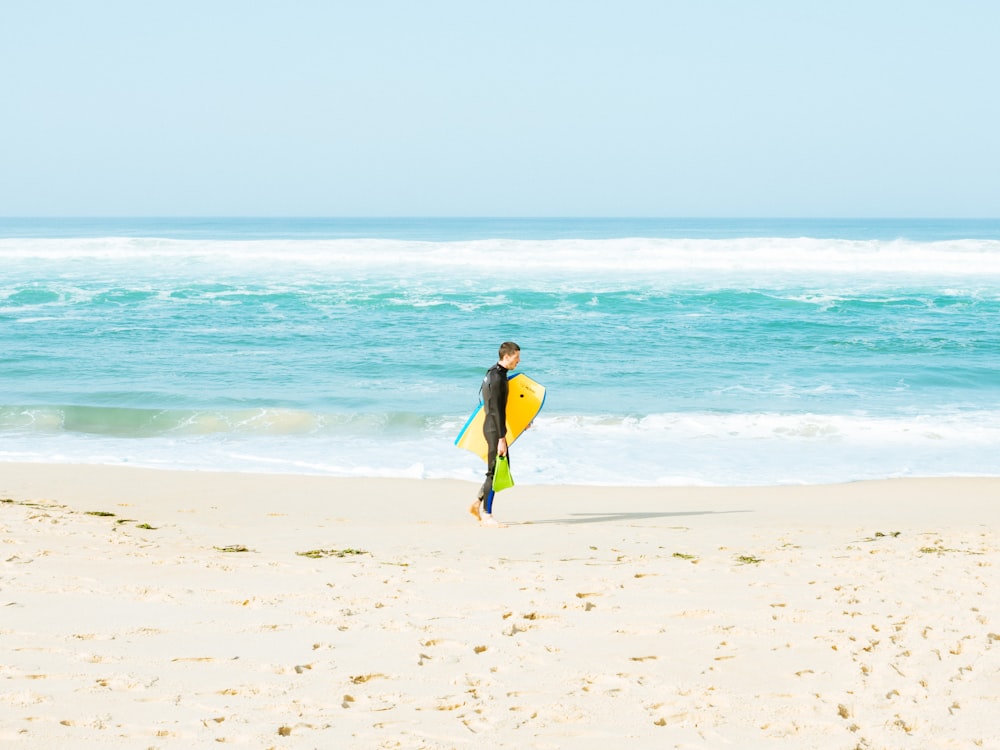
x,y
642,516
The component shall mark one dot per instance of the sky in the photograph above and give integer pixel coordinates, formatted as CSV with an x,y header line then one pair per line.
x,y
694,108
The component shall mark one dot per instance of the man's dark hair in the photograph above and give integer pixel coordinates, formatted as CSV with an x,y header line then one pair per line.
x,y
508,347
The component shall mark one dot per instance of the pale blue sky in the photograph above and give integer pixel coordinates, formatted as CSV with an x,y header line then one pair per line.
x,y
515,108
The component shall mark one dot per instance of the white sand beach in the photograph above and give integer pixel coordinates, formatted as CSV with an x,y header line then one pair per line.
x,y
158,609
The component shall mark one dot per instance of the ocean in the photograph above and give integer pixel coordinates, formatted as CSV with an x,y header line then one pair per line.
x,y
674,352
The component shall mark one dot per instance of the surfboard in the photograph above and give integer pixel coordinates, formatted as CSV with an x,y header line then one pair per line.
x,y
525,398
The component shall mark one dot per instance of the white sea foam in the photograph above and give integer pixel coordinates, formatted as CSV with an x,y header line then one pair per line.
x,y
658,449
958,259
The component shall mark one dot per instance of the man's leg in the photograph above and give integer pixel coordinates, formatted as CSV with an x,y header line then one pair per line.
x,y
477,508
484,504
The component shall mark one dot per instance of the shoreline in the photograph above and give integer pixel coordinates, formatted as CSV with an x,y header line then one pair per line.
x,y
169,609
147,486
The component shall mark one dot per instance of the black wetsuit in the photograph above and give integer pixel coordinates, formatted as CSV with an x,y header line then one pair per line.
x,y
494,390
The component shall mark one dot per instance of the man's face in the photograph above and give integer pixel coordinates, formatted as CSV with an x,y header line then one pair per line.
x,y
510,361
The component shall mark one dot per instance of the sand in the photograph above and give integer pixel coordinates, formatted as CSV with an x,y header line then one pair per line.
x,y
863,615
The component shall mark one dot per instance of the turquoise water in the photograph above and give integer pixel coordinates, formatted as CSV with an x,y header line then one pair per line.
x,y
674,351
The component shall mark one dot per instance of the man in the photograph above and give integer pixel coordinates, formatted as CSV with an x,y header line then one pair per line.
x,y
494,391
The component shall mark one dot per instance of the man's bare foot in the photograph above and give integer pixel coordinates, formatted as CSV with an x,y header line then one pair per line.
x,y
474,509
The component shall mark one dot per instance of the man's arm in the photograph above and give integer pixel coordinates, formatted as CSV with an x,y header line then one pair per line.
x,y
495,403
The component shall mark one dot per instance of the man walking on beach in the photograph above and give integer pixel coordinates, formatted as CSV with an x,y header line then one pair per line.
x,y
494,390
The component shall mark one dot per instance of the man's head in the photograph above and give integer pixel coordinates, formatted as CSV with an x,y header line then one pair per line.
x,y
510,354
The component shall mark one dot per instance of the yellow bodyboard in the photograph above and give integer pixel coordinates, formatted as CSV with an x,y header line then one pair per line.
x,y
524,400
